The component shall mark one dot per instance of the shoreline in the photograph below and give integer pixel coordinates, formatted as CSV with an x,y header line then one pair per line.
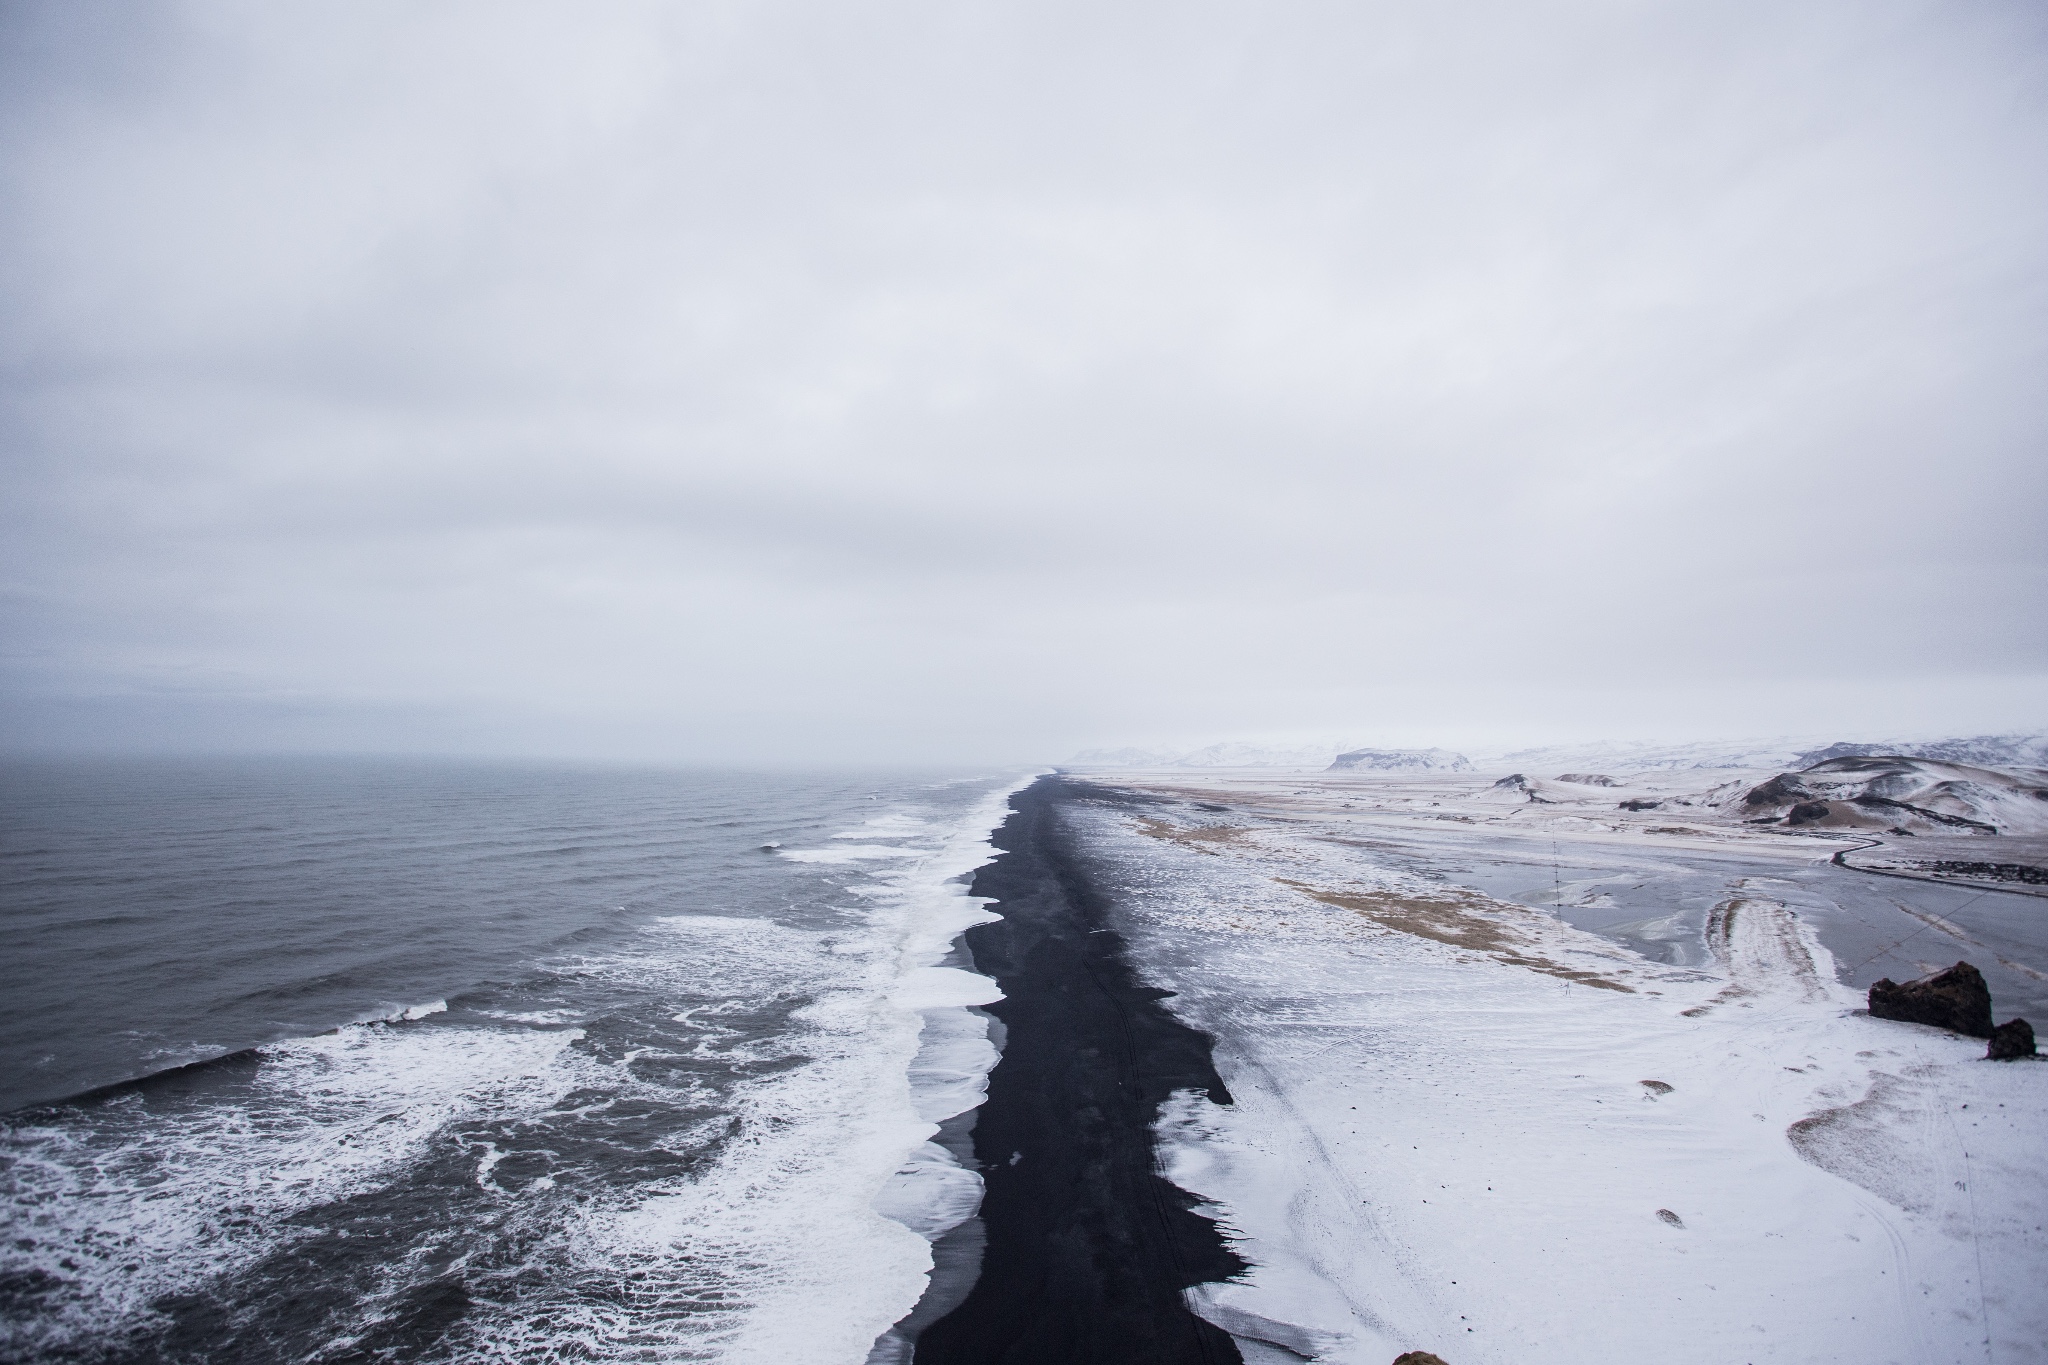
x,y
1520,1088
1089,1248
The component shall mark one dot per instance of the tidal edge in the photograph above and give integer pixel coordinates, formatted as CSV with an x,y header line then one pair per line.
x,y
1089,1248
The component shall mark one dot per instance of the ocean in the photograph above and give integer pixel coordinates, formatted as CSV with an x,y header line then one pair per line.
x,y
366,1060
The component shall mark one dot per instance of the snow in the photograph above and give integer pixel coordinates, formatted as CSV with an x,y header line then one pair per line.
x,y
1445,1135
1313,757
1289,755
2017,750
1923,795
1610,756
1394,760
1780,752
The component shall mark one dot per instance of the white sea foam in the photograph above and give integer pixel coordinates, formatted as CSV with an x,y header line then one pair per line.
x,y
931,1193
188,1197
402,1014
948,1075
410,1014
927,988
535,1016
801,1241
852,853
811,1233
902,824
149,1209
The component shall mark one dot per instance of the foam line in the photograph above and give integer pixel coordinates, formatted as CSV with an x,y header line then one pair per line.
x,y
932,1192
850,853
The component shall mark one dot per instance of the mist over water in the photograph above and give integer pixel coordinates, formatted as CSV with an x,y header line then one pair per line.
x,y
521,1062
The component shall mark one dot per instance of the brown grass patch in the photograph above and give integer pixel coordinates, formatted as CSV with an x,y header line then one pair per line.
x,y
1457,920
1195,837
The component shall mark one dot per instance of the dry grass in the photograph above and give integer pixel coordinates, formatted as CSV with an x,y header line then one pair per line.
x,y
1465,921
1195,837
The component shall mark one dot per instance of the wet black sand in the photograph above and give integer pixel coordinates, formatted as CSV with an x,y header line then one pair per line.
x,y
1088,1247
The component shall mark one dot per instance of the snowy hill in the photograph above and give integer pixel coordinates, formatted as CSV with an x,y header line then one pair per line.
x,y
1997,751
1892,792
1229,754
1122,758
1609,756
1236,755
1401,760
1588,759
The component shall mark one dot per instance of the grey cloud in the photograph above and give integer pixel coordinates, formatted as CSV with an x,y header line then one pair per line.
x,y
992,380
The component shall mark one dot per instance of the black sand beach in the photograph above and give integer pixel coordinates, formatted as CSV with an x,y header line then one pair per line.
x,y
1088,1247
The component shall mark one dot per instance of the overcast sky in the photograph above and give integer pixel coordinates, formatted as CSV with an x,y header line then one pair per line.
x,y
965,381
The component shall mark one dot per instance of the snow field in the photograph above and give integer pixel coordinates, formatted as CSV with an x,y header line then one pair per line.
x,y
1434,1147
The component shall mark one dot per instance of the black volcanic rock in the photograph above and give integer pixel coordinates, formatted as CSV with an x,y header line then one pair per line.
x,y
1839,750
1513,782
1996,872
1640,804
1806,812
1781,790
1878,764
1998,751
1954,999
1887,805
2010,1041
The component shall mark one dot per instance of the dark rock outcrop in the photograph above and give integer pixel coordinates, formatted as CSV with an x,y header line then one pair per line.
x,y
1918,795
1780,790
1995,872
2002,751
1512,782
1419,1358
1640,804
1888,806
1806,812
2010,1041
1840,750
1954,999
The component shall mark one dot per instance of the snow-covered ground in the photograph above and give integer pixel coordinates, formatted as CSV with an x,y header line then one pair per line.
x,y
1463,1125
1314,755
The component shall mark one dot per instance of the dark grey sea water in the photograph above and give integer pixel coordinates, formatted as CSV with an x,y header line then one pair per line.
x,y
380,1061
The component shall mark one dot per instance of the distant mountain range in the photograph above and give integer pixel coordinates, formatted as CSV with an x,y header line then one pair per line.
x,y
1609,756
1326,757
2014,750
2002,751
1313,757
1400,760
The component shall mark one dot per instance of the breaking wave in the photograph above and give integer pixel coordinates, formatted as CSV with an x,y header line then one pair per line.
x,y
713,1138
